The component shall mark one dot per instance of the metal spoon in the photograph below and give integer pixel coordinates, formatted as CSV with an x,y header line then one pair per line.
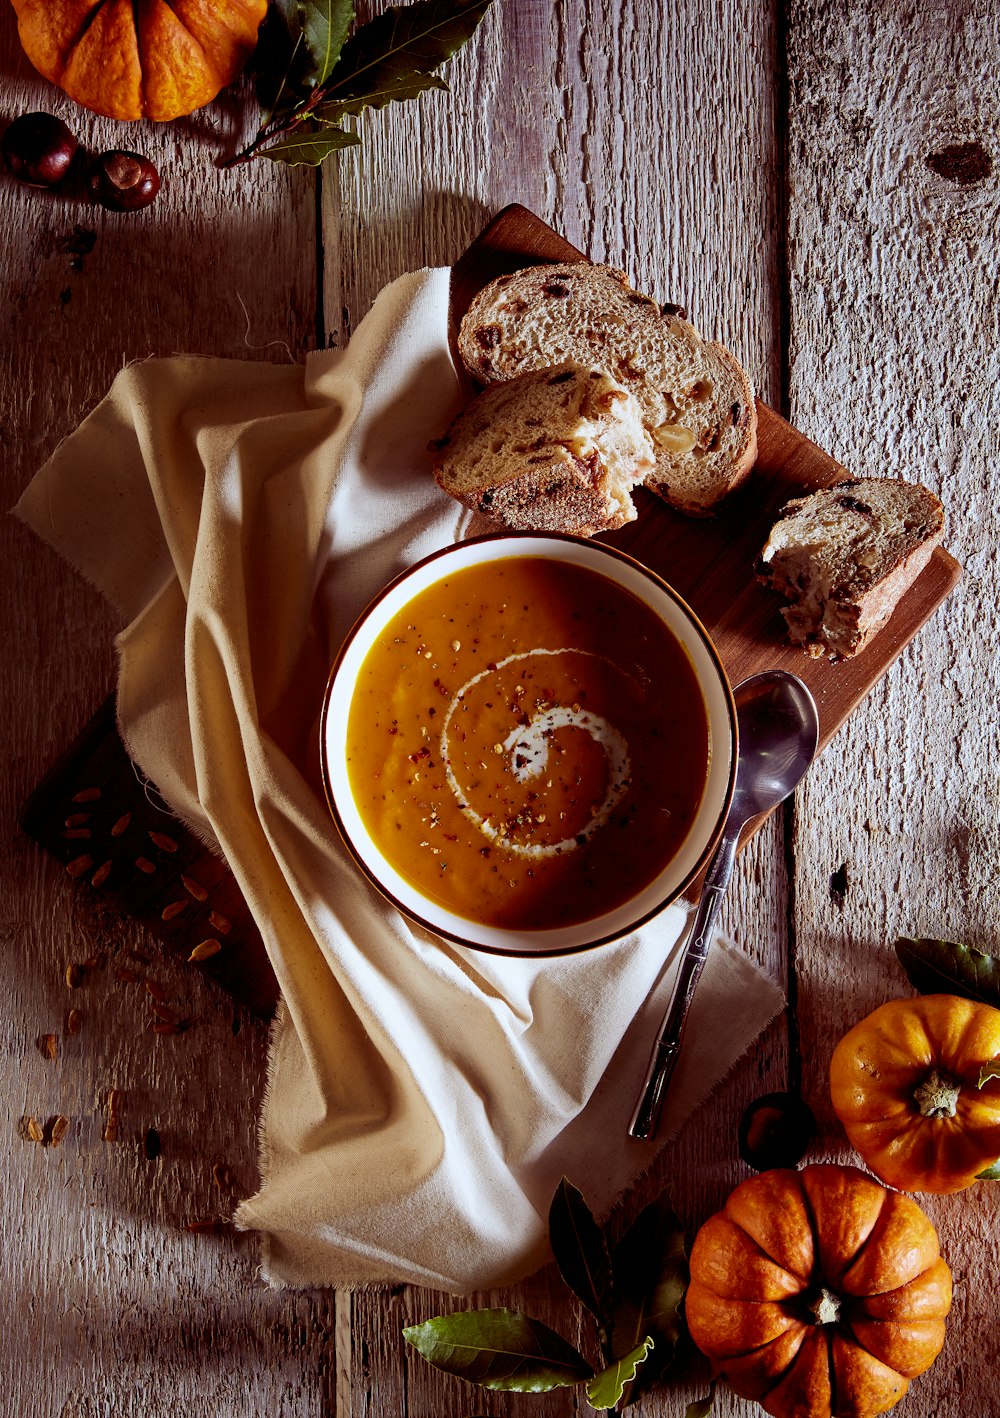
x,y
778,734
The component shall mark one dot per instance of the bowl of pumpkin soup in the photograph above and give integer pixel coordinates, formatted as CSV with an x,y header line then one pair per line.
x,y
529,744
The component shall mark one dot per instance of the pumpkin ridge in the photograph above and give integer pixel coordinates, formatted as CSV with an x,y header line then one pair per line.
x,y
819,1276
145,80
79,37
184,26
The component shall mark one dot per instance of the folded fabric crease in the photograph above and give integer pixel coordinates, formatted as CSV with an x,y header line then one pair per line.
x,y
423,1100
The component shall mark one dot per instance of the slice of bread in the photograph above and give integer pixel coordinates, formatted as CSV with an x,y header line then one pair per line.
x,y
697,403
842,557
555,450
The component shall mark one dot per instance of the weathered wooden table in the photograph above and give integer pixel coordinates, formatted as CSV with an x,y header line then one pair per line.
x,y
817,183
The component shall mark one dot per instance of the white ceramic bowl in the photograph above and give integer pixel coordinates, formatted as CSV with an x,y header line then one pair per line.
x,y
697,846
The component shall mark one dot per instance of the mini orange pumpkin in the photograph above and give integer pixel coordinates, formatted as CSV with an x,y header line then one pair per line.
x,y
818,1292
904,1083
139,58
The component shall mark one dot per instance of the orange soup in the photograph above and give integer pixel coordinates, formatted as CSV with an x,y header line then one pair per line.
x,y
527,743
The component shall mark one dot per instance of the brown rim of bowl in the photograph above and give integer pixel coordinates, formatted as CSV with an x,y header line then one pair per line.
x,y
714,836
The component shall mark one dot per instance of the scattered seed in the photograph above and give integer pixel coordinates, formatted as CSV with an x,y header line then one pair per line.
x,y
151,1144
164,1026
112,1119
172,909
195,888
223,1177
101,874
60,1127
121,825
76,832
205,949
97,961
75,975
34,1130
220,922
77,819
48,1046
164,1012
161,840
209,1226
79,865
87,795
144,864
125,976
156,991
74,1021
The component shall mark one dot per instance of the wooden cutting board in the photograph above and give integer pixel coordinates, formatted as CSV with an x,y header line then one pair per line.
x,y
117,839
710,561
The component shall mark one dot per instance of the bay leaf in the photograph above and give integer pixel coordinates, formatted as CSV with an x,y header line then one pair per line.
x,y
325,27
701,1407
650,1268
310,146
988,1071
581,1251
948,967
499,1349
606,1388
392,55
284,70
337,110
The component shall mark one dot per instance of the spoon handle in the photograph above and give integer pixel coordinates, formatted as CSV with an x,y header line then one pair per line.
x,y
666,1050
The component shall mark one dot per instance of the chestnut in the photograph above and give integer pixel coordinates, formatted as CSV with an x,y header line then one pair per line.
x,y
775,1131
39,149
123,182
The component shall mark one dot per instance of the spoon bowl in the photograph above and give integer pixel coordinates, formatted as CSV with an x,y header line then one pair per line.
x,y
778,736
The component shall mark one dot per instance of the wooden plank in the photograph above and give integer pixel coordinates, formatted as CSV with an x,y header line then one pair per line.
x,y
893,240
111,1307
603,119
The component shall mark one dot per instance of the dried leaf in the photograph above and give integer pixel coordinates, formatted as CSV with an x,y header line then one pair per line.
x,y
310,145
948,967
605,1390
988,1071
581,1251
651,1274
499,1349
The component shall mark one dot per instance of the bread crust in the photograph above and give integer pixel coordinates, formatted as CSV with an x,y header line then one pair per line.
x,y
554,450
697,401
843,558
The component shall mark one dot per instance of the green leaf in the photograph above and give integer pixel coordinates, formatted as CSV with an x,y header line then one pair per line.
x,y
989,1174
946,967
988,1071
283,67
392,55
325,25
310,145
581,1251
650,1268
338,109
702,1407
499,1349
606,1388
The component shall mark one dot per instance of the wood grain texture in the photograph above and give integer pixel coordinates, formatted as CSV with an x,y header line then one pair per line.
x,y
110,1307
651,134
894,355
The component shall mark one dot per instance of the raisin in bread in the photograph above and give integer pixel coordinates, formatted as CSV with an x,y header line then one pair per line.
x,y
697,403
555,450
844,556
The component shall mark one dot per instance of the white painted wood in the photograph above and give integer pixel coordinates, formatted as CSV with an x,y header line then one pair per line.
x,y
895,366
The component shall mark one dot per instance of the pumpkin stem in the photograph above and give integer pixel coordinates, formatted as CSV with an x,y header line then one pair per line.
x,y
825,1309
937,1096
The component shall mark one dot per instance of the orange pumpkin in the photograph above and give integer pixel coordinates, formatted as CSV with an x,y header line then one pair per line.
x,y
904,1083
139,58
818,1292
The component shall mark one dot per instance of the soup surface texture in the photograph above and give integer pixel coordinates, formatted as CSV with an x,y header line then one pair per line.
x,y
527,743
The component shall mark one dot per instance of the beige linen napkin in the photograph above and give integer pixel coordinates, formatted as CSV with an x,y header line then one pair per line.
x,y
423,1099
